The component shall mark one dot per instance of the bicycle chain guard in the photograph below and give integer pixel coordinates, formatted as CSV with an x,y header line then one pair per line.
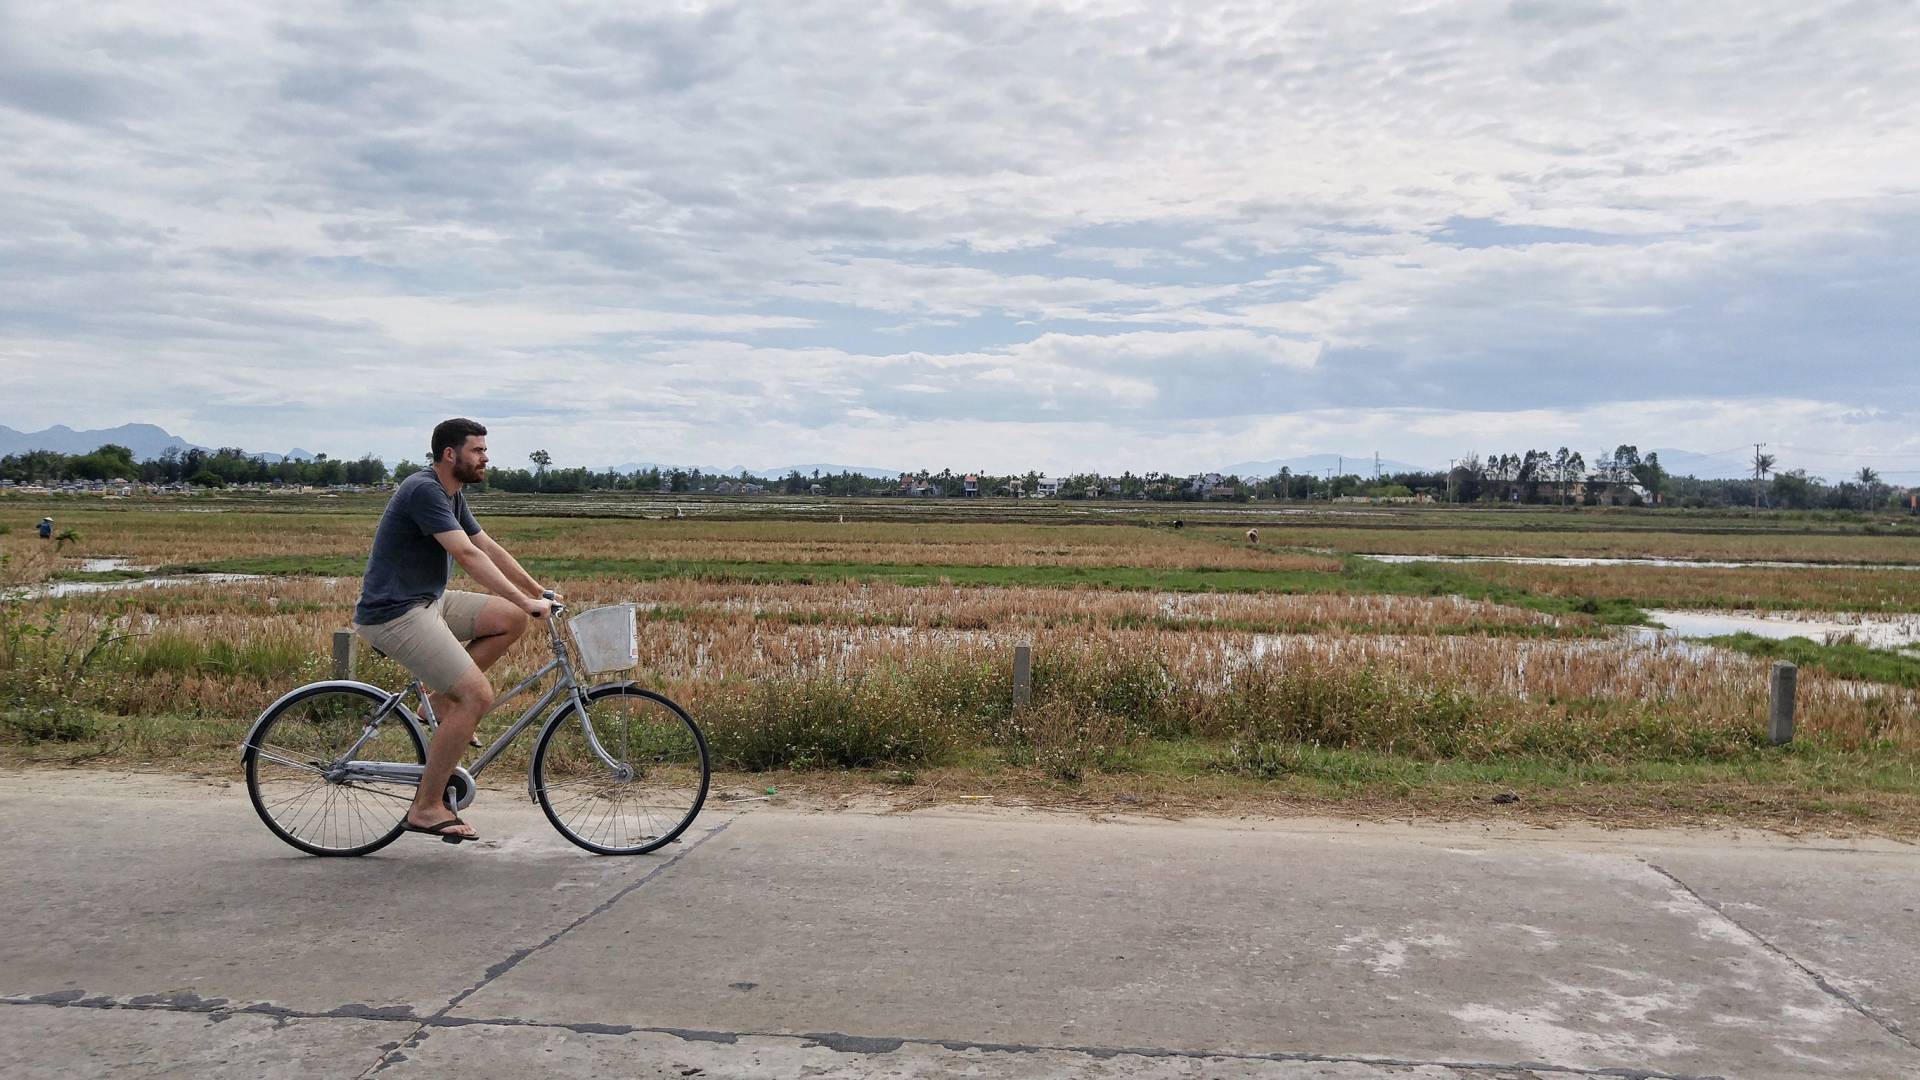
x,y
460,789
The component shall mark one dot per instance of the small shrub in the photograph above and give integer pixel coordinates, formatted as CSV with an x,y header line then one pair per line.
x,y
1066,739
857,721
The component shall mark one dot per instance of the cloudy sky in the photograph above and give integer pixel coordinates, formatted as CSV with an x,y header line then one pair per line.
x,y
1055,236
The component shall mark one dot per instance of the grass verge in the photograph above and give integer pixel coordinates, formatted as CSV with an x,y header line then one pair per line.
x,y
1792,789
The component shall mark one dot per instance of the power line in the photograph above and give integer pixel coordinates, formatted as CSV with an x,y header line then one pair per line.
x,y
1797,448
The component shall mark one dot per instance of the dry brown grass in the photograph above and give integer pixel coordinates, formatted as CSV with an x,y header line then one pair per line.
x,y
159,538
720,635
1782,545
175,536
905,544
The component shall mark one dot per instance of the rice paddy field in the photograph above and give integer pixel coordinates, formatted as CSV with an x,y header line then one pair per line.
x,y
835,648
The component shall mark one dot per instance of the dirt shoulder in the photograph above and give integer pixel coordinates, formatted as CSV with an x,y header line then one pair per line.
x,y
1695,808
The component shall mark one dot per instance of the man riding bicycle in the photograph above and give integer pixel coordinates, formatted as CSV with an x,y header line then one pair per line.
x,y
446,639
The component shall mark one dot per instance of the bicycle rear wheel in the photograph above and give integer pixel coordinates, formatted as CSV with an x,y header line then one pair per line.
x,y
645,791
289,757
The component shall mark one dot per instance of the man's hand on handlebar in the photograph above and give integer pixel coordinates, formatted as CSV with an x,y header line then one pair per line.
x,y
538,609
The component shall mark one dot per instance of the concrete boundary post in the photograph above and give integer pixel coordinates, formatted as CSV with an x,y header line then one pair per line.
x,y
344,650
1783,685
1022,675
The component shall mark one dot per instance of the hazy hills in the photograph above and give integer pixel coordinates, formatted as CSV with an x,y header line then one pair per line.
x,y
145,440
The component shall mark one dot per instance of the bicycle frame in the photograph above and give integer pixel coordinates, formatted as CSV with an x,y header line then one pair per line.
x,y
351,768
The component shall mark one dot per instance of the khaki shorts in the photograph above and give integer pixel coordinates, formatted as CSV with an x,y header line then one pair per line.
x,y
427,640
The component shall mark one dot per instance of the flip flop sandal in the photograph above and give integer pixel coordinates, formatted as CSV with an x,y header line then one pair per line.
x,y
440,830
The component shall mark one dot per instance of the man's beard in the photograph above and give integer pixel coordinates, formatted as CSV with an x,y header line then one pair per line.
x,y
469,474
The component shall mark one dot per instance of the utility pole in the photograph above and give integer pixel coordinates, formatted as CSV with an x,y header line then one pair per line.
x,y
1376,466
1450,463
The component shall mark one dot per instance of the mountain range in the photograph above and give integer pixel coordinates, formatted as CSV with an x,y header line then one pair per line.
x,y
147,441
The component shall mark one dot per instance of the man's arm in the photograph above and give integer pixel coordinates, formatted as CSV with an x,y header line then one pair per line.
x,y
481,568
506,563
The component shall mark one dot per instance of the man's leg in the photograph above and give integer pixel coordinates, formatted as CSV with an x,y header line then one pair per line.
x,y
463,706
492,623
422,641
495,630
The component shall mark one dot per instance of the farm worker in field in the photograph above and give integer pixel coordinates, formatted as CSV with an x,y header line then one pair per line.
x,y
46,528
446,639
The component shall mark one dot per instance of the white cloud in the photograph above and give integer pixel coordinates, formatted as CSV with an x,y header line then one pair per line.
x,y
1131,227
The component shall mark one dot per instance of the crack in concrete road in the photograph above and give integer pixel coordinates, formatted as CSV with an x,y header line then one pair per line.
x,y
1885,1023
862,1045
513,959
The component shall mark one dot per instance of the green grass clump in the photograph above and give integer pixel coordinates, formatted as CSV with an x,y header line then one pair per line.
x,y
889,715
1841,660
272,659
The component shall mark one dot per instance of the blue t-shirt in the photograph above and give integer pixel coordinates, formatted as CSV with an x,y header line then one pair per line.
x,y
408,567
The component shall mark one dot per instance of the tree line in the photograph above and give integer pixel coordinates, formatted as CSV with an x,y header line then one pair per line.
x,y
198,467
1562,477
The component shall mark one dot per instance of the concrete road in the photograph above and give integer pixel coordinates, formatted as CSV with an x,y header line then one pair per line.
x,y
154,928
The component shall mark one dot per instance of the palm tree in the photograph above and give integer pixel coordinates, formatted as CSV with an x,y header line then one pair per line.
x,y
1762,465
541,459
1867,476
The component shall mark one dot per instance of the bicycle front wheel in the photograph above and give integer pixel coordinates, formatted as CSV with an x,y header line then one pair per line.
x,y
289,758
638,788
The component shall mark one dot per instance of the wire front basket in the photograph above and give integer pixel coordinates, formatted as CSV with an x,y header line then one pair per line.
x,y
608,637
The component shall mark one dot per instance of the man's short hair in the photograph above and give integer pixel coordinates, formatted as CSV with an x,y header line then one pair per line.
x,y
454,433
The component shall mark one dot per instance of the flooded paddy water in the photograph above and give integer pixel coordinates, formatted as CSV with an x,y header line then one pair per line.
x,y
111,565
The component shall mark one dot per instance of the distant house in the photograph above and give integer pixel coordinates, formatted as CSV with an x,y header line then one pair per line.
x,y
970,487
1047,487
1211,486
1602,493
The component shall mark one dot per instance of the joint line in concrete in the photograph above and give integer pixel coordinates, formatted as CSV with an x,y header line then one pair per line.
x,y
836,1042
513,959
1885,1023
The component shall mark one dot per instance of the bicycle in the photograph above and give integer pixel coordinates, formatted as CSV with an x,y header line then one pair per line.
x,y
330,771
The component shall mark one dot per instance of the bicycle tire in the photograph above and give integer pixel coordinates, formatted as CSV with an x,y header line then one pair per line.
x,y
573,785
316,724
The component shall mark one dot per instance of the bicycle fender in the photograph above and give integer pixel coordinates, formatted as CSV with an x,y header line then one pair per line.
x,y
589,693
337,684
